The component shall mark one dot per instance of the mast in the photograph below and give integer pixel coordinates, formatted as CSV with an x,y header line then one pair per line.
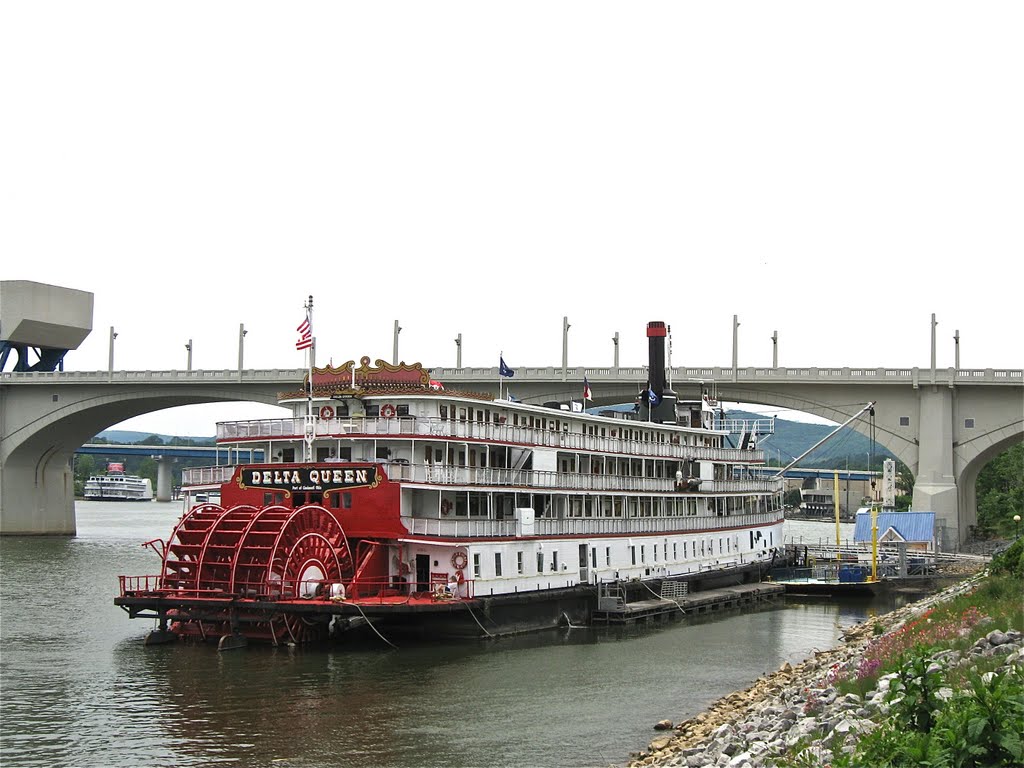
x,y
310,425
782,471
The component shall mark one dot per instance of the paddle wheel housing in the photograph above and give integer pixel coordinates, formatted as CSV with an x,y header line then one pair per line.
x,y
272,554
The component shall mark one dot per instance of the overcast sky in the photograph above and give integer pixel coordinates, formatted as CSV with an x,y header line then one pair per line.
x,y
835,172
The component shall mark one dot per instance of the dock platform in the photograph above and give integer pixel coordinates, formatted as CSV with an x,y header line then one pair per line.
x,y
694,603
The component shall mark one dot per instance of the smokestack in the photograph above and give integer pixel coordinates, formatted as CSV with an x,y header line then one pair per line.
x,y
656,333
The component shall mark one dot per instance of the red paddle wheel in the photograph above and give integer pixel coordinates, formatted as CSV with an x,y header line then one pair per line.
x,y
257,556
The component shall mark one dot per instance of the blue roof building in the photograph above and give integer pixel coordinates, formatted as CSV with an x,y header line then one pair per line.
x,y
917,529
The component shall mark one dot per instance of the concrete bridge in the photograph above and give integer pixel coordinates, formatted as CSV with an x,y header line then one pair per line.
x,y
944,424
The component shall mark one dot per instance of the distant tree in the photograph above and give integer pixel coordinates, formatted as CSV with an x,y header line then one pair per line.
x,y
150,440
792,498
147,468
85,466
1000,493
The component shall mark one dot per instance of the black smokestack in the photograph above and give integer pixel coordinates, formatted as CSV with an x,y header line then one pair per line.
x,y
656,332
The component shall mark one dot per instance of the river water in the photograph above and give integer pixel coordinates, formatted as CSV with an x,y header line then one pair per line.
x,y
78,688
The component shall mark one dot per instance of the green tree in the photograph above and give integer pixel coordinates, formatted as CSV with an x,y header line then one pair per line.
x,y
1000,493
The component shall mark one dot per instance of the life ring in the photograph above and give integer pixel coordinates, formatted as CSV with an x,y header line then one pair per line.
x,y
387,410
459,560
327,412
446,506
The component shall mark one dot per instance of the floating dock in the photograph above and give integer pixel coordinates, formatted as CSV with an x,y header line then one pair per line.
x,y
614,610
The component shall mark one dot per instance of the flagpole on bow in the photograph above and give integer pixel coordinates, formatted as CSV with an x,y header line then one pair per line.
x,y
310,426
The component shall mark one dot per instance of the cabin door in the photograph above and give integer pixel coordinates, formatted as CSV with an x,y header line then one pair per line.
x,y
584,573
422,573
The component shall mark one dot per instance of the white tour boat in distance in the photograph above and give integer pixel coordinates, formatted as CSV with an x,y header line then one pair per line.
x,y
116,485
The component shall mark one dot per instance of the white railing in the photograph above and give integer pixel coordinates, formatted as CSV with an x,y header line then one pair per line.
x,y
504,477
596,374
428,427
581,526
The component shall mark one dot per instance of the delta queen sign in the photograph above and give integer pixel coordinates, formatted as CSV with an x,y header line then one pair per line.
x,y
310,478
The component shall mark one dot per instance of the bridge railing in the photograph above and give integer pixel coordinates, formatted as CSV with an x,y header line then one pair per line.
x,y
595,374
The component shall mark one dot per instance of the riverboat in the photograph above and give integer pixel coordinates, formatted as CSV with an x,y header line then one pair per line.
x,y
116,485
397,505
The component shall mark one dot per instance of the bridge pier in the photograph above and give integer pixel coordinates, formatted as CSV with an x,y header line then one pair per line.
x,y
935,488
164,481
37,497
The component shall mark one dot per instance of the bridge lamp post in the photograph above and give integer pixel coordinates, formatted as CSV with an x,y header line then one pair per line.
x,y
110,363
458,351
394,354
956,349
615,342
241,347
775,349
1016,523
188,348
565,345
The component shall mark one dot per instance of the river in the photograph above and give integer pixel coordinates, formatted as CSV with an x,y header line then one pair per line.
x,y
78,688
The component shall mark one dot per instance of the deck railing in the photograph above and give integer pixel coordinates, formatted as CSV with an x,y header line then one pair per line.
x,y
581,526
504,477
378,428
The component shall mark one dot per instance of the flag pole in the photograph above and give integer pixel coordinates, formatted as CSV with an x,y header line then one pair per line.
x,y
309,394
501,356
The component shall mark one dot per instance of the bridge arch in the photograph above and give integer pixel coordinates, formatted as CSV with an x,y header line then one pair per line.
x,y
37,486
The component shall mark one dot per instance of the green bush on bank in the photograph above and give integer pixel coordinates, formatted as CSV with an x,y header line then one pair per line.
x,y
965,716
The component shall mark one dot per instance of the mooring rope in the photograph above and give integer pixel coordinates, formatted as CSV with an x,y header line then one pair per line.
x,y
373,627
477,620
570,625
660,597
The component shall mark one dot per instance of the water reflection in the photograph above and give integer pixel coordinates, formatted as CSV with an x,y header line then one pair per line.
x,y
79,688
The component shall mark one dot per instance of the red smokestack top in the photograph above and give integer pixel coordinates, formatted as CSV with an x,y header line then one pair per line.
x,y
656,333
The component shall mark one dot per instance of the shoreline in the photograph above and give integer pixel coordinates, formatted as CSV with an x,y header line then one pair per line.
x,y
726,721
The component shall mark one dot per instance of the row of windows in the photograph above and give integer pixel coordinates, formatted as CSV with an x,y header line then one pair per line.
x,y
726,545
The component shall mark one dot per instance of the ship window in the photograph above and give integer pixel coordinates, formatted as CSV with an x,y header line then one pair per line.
x,y
540,562
593,557
519,562
268,499
904,421
444,411
675,550
334,500
968,423
402,410
554,560
632,554
373,410
345,454
643,553
383,453
346,500
322,454
462,414
655,553
497,563
287,455
476,565
608,556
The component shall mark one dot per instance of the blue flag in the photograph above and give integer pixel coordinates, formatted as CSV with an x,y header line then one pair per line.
x,y
504,370
653,398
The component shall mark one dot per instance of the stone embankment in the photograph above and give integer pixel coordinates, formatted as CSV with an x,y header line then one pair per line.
x,y
798,704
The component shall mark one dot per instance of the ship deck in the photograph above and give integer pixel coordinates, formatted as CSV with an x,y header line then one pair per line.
x,y
704,601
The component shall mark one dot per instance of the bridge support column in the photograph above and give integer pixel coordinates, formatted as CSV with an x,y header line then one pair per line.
x,y
37,497
935,485
164,481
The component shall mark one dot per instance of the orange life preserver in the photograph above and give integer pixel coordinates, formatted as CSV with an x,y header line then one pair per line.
x,y
459,560
327,412
446,506
387,410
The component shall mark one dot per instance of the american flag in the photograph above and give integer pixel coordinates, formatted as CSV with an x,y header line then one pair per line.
x,y
305,335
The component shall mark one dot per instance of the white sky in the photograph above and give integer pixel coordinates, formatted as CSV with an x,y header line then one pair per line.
x,y
835,172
